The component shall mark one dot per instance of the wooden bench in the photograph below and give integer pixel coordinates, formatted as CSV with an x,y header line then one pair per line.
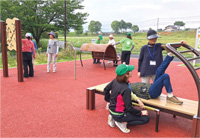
x,y
187,110
100,51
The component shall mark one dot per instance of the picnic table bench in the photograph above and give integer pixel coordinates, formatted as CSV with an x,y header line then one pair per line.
x,y
100,51
187,110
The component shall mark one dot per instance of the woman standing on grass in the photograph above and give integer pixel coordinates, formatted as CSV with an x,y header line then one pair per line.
x,y
52,51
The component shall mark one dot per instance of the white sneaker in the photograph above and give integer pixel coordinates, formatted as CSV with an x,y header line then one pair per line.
x,y
122,127
54,70
111,121
48,71
109,62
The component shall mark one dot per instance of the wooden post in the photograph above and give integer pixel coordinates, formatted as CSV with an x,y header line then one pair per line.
x,y
19,51
4,49
90,99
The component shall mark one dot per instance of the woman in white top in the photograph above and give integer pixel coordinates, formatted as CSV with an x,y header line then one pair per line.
x,y
112,42
52,51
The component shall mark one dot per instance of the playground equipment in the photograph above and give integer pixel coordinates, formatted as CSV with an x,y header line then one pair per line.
x,y
100,51
11,37
173,48
190,109
4,49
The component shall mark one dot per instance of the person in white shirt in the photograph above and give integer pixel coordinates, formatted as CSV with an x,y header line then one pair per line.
x,y
52,51
112,42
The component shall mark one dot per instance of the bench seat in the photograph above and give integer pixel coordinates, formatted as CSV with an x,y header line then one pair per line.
x,y
187,110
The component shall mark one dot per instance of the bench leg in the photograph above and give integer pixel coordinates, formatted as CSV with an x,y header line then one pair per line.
x,y
157,118
90,99
81,60
104,64
196,127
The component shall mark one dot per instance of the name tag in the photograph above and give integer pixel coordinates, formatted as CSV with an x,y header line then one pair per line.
x,y
152,62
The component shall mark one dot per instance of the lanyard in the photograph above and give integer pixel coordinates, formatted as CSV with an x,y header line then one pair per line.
x,y
152,56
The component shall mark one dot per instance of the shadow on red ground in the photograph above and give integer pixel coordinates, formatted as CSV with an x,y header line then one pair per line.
x,y
54,104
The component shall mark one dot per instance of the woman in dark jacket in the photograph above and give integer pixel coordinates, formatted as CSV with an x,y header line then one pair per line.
x,y
121,109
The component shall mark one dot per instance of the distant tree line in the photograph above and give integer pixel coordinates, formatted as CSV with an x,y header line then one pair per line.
x,y
117,26
122,26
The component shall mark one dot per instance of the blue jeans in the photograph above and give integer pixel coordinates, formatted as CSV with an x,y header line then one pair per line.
x,y
161,80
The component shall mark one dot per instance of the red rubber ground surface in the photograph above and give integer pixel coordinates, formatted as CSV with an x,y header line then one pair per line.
x,y
54,104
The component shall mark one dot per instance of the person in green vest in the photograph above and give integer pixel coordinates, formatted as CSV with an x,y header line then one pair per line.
x,y
97,61
127,47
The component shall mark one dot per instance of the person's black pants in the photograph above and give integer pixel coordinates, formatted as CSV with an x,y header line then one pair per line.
x,y
27,62
115,61
96,60
131,119
125,57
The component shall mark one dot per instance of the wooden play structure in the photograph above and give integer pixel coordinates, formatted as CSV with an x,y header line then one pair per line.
x,y
11,39
100,51
190,109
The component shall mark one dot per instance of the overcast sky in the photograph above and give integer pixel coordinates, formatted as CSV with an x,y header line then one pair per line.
x,y
143,13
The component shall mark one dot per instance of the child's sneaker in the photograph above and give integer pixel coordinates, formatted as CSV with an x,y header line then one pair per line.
x,y
48,71
54,71
111,121
122,127
174,100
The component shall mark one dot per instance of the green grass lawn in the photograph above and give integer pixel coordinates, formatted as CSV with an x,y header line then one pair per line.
x,y
41,58
196,65
140,39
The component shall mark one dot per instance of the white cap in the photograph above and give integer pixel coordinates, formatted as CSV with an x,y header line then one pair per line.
x,y
28,35
110,36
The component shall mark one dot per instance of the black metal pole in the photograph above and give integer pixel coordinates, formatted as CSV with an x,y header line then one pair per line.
x,y
65,26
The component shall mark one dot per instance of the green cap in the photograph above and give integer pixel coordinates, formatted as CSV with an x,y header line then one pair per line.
x,y
128,34
122,69
100,37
